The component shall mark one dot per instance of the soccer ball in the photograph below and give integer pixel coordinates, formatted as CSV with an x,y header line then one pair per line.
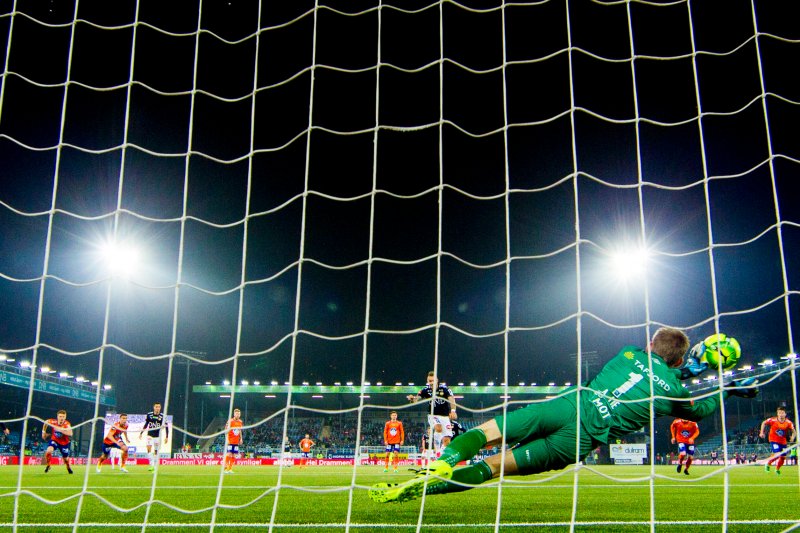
x,y
721,350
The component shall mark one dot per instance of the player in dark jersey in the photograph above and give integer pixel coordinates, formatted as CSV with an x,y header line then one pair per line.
x,y
632,387
286,455
442,410
425,448
154,422
458,429
444,402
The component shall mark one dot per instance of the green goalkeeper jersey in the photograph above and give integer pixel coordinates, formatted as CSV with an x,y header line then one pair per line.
x,y
620,400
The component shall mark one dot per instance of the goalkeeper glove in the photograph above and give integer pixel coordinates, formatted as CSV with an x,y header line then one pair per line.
x,y
744,388
693,367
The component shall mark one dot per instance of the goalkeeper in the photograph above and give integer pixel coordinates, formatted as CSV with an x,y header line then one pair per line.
x,y
618,401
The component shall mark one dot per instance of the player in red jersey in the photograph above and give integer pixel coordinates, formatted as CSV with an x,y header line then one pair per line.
x,y
62,433
116,436
779,428
393,436
305,449
232,440
684,432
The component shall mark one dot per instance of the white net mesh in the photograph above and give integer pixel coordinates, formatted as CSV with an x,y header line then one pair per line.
x,y
300,208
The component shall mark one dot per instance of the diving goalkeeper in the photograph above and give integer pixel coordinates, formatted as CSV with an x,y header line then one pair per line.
x,y
618,401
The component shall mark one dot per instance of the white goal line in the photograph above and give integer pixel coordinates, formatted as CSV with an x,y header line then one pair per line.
x,y
409,525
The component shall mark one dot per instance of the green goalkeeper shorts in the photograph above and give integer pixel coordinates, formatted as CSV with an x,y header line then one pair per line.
x,y
544,436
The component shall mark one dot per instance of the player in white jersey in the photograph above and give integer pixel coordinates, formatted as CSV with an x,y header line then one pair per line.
x,y
154,422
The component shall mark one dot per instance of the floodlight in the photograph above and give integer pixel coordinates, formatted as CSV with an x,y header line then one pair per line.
x,y
24,364
629,264
121,259
226,382
106,387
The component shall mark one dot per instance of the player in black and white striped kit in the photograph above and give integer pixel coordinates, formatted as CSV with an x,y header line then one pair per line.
x,y
154,422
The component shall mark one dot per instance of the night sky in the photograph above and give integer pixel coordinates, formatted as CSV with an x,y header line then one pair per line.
x,y
440,175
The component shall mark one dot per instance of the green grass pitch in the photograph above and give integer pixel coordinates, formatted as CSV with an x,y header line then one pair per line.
x,y
318,499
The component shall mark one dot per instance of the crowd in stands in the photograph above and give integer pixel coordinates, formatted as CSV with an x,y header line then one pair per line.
x,y
746,436
9,444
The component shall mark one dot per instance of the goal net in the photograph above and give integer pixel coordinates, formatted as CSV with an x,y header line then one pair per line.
x,y
299,209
